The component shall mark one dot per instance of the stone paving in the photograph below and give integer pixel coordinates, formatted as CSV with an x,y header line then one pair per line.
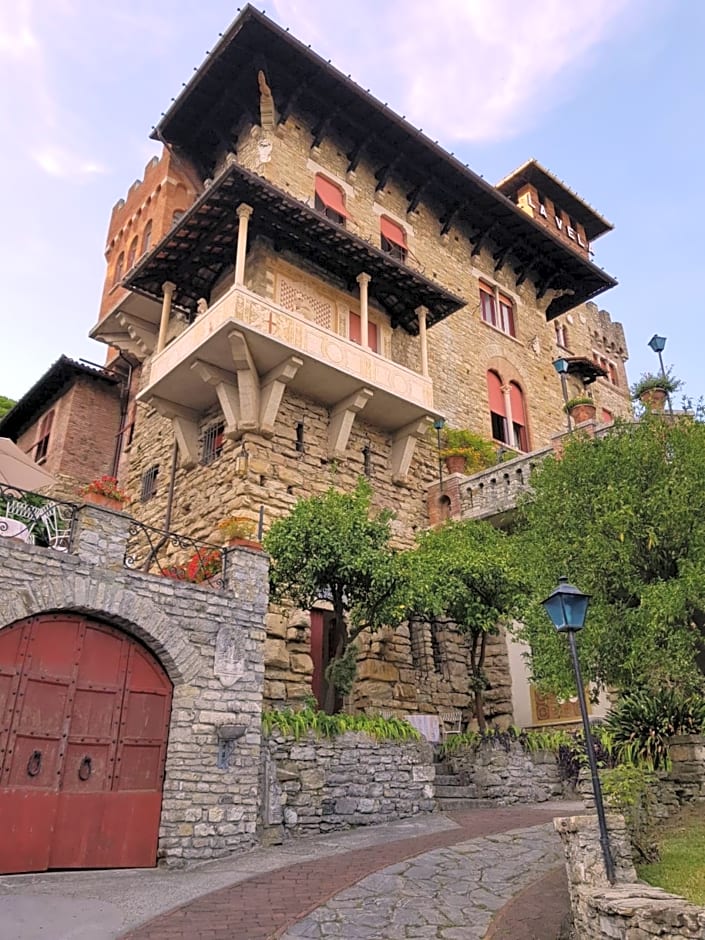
x,y
449,894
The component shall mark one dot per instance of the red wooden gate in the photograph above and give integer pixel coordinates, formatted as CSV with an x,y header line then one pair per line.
x,y
84,717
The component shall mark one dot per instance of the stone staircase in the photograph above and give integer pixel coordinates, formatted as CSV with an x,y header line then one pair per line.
x,y
453,791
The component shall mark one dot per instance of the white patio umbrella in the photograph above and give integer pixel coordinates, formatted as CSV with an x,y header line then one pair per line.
x,y
18,469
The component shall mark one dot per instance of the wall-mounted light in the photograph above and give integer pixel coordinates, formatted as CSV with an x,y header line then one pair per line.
x,y
242,461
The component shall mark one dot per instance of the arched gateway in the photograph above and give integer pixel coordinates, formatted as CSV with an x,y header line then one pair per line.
x,y
84,718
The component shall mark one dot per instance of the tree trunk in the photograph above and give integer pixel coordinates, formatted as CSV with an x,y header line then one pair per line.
x,y
480,711
477,661
338,643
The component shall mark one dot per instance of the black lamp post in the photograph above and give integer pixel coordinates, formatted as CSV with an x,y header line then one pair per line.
x,y
658,344
439,424
567,607
561,367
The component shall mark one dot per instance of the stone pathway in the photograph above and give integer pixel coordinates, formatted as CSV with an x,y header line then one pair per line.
x,y
450,894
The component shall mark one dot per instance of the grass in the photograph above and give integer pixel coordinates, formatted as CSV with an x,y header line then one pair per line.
x,y
681,869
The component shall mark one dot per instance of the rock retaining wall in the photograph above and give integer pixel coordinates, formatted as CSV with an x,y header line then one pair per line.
x,y
508,774
627,910
321,784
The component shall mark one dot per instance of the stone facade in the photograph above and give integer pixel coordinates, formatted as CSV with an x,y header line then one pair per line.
x,y
508,774
291,458
209,643
318,785
627,910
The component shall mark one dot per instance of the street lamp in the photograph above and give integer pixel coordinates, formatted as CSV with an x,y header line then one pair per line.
x,y
658,344
566,608
561,367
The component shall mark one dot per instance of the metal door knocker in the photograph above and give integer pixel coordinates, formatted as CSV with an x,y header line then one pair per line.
x,y
84,770
34,764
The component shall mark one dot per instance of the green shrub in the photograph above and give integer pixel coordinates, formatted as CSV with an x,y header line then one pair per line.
x,y
642,722
296,724
628,790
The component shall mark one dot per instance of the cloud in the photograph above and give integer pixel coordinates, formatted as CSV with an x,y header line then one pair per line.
x,y
474,70
62,163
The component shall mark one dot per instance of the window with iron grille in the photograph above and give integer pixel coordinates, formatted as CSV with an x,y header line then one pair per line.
x,y
212,446
148,483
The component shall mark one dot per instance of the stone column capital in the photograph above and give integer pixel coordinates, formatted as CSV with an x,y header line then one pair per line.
x,y
363,279
168,287
244,211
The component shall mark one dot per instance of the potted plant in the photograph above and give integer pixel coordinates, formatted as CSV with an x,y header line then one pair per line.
x,y
581,408
104,491
653,390
204,564
466,452
239,530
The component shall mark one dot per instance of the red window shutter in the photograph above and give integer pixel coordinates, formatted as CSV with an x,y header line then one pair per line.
x,y
516,397
355,328
47,422
372,337
494,388
607,416
331,196
392,232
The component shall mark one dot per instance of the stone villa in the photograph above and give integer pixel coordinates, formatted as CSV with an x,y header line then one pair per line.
x,y
297,288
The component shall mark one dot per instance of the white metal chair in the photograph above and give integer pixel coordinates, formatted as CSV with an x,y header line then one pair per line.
x,y
51,516
451,722
16,509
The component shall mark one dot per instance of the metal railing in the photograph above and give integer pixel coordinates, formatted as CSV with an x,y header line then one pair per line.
x,y
35,519
176,556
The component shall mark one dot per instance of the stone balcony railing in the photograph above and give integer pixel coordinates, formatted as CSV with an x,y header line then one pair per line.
x,y
495,491
243,351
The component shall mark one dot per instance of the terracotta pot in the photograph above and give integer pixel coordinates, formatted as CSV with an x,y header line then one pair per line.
x,y
654,399
582,413
245,543
455,463
100,499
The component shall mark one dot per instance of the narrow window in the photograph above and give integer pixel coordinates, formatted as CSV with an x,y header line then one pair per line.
x,y
42,445
487,305
561,334
498,412
299,445
119,268
506,315
132,253
147,237
393,238
148,483
176,216
612,369
213,441
330,200
355,332
520,438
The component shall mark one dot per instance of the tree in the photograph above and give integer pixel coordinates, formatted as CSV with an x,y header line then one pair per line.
x,y
5,405
461,573
623,517
331,548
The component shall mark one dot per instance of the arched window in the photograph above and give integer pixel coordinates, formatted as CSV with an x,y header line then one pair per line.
x,y
498,411
561,335
520,437
132,253
119,268
330,200
147,237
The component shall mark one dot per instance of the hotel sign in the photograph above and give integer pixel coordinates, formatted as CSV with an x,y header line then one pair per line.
x,y
559,223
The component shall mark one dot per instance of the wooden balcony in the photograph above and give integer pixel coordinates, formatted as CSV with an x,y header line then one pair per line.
x,y
244,351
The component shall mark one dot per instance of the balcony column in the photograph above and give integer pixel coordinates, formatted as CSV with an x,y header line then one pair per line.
x,y
506,392
363,280
422,313
243,213
168,288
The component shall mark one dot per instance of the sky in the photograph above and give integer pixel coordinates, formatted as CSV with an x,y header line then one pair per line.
x,y
608,94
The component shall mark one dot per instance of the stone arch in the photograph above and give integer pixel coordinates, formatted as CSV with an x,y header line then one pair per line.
x,y
116,605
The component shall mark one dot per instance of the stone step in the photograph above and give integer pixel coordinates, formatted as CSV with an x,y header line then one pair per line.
x,y
456,792
450,805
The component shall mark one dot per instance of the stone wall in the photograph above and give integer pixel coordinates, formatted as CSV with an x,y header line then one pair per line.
x,y
508,774
627,910
210,644
321,784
